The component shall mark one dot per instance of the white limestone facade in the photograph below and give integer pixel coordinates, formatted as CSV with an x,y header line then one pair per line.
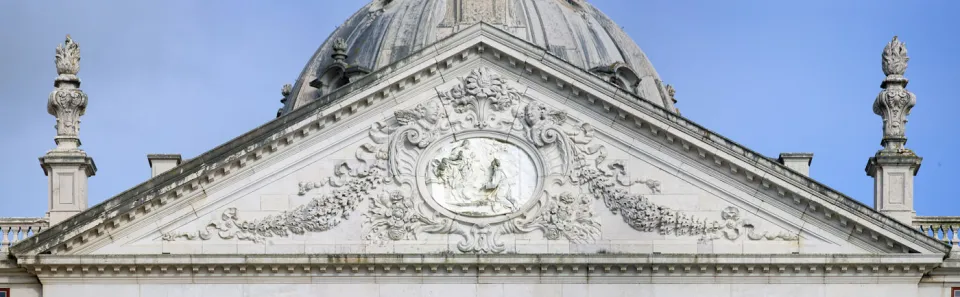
x,y
484,165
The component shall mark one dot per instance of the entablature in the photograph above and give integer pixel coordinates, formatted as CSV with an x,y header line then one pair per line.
x,y
602,268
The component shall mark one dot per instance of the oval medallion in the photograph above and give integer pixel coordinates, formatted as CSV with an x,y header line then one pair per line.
x,y
481,177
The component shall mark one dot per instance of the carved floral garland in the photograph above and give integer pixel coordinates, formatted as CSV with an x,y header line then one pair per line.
x,y
320,214
483,100
569,216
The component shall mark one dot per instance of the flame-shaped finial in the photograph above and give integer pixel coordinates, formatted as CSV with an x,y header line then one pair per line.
x,y
339,50
895,58
340,45
68,57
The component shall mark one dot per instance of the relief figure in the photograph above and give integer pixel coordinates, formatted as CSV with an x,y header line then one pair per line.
x,y
480,177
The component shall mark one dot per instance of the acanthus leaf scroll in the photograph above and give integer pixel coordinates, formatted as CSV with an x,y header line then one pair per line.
x,y
385,176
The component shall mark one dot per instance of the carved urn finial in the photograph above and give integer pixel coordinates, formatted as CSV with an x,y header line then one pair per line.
x,y
67,102
672,93
285,91
339,50
894,103
67,167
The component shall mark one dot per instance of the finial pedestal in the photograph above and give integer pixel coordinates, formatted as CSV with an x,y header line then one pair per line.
x,y
893,174
67,172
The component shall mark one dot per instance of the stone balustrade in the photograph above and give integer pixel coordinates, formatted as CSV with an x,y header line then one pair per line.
x,y
945,229
13,230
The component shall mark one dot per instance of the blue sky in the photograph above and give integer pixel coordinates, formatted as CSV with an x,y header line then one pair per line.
x,y
184,76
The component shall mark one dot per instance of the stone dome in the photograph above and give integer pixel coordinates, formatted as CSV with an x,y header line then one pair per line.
x,y
385,31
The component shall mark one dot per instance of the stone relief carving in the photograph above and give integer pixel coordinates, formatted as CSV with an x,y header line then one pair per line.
x,y
481,177
469,12
420,180
636,209
569,216
482,96
322,213
419,127
734,227
393,216
68,105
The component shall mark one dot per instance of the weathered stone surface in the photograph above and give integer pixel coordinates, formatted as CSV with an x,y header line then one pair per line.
x,y
894,166
569,185
67,167
384,32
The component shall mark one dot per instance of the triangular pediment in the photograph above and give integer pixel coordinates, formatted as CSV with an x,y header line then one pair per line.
x,y
480,144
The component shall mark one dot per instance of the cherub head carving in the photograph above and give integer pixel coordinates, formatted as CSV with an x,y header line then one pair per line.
x,y
536,113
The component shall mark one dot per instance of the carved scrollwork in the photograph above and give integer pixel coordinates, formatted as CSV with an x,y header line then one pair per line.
x,y
413,131
735,226
68,105
398,209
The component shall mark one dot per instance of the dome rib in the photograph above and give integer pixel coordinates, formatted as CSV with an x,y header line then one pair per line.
x,y
386,31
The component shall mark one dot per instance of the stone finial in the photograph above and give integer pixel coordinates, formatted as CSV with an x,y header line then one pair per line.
x,y
67,102
895,58
894,166
285,91
68,58
339,50
672,93
894,103
67,167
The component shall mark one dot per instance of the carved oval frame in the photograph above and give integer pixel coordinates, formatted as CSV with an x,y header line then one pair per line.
x,y
538,198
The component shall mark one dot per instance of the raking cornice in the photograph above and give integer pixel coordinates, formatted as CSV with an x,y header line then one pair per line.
x,y
530,63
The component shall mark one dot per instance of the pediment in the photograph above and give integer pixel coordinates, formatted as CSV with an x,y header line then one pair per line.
x,y
485,145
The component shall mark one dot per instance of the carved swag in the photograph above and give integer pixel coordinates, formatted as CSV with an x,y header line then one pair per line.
x,y
384,174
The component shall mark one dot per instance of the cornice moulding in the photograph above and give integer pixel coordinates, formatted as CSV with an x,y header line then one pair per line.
x,y
600,268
